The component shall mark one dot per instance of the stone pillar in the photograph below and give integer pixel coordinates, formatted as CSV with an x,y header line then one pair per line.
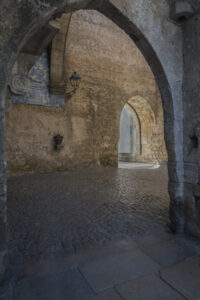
x,y
3,208
191,106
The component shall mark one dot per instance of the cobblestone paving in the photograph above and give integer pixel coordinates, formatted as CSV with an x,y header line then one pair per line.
x,y
50,214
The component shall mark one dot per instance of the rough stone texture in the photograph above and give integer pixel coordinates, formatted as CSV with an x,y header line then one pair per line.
x,y
115,269
168,253
107,295
184,277
151,287
181,10
183,282
70,285
144,21
191,98
111,77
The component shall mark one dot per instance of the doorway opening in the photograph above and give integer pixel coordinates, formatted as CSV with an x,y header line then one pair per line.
x,y
141,142
130,136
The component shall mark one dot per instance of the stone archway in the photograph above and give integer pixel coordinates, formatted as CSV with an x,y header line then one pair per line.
x,y
144,23
129,147
146,144
151,131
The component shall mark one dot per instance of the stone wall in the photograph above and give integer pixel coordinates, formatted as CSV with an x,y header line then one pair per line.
x,y
191,104
89,122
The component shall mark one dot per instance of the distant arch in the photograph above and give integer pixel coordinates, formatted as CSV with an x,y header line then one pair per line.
x,y
129,147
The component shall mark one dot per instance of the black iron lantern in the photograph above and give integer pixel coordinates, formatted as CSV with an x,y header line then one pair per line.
x,y
58,142
75,80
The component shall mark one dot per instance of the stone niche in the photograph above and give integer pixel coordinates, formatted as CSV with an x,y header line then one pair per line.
x,y
113,72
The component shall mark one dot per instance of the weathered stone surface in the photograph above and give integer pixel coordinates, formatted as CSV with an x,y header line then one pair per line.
x,y
191,173
98,252
181,10
107,295
118,268
191,122
40,268
168,253
151,287
184,278
154,239
69,285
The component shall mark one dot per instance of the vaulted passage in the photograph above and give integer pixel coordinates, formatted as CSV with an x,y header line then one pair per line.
x,y
86,87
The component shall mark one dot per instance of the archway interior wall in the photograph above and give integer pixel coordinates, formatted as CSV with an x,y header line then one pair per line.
x,y
89,122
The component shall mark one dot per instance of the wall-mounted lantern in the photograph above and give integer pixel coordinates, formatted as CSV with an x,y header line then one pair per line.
x,y
75,80
58,142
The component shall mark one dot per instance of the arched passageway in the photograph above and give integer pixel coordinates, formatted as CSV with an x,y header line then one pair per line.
x,y
18,34
129,148
142,132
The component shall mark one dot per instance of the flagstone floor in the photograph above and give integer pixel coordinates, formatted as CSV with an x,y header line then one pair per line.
x,y
99,233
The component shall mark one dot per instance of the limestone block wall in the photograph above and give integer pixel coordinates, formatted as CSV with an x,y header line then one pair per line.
x,y
113,72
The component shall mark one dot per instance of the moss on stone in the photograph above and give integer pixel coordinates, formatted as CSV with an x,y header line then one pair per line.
x,y
28,166
108,159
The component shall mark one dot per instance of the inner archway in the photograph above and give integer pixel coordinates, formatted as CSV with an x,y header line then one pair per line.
x,y
129,149
142,132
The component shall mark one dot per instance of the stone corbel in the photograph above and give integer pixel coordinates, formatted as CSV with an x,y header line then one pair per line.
x,y
19,82
181,10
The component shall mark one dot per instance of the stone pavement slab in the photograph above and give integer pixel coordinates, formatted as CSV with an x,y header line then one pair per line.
x,y
155,238
64,286
92,254
168,253
6,290
43,267
147,288
185,277
107,295
117,268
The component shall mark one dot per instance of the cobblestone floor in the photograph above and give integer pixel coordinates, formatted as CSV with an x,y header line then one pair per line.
x,y
50,214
